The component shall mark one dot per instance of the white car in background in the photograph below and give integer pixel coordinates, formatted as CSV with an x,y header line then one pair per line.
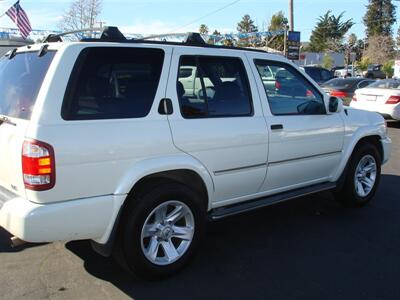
x,y
382,96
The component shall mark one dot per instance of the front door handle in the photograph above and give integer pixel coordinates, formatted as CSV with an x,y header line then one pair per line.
x,y
276,126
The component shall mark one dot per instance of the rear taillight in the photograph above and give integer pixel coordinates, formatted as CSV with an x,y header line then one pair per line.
x,y
278,85
393,100
340,94
38,165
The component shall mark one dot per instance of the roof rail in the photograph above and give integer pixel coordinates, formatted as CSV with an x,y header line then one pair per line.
x,y
108,34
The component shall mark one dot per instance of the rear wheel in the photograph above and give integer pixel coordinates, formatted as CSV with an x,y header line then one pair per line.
x,y
362,178
161,230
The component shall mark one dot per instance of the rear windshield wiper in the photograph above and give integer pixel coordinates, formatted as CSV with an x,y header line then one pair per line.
x,y
4,119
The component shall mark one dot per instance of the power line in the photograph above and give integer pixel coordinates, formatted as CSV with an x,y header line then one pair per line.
x,y
207,15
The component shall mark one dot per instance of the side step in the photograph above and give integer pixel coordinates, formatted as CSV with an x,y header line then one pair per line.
x,y
234,209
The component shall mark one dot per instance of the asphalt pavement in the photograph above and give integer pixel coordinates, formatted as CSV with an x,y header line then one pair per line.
x,y
310,248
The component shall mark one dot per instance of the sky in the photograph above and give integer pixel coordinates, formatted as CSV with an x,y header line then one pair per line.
x,y
166,16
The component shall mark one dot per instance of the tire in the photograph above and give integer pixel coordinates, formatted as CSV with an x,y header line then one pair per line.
x,y
137,241
351,196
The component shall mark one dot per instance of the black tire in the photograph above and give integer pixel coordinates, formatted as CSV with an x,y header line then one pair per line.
x,y
129,248
348,195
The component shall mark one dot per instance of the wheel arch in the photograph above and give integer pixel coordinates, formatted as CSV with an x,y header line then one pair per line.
x,y
192,174
372,138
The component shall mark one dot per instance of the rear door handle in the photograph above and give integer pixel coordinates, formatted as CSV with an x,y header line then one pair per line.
x,y
276,126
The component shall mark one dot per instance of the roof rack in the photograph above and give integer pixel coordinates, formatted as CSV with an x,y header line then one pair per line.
x,y
108,34
113,34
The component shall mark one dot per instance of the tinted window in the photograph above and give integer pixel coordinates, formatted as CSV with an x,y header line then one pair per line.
x,y
340,83
313,73
220,87
364,83
111,83
185,72
289,93
20,80
326,75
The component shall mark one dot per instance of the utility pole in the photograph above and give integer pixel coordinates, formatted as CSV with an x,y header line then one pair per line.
x,y
291,16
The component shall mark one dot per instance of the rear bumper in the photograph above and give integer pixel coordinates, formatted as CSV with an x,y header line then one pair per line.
x,y
89,218
387,149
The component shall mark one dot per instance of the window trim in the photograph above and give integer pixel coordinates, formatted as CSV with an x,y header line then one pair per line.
x,y
296,72
247,84
73,82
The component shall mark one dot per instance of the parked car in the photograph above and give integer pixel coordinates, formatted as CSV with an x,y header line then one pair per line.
x,y
382,96
319,74
348,71
101,140
344,87
374,72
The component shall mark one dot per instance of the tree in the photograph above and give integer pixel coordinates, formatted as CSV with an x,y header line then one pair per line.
x,y
329,32
380,17
203,29
350,47
387,68
327,61
246,25
278,22
364,63
398,38
81,14
380,49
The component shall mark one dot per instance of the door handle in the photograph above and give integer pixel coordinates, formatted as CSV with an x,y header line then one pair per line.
x,y
276,126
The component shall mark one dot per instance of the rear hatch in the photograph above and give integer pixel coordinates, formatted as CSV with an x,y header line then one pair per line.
x,y
21,76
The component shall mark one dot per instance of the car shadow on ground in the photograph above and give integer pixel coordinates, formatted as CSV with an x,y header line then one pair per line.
x,y
309,248
393,124
5,243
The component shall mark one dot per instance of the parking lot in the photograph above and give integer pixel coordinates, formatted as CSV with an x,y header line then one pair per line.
x,y
310,248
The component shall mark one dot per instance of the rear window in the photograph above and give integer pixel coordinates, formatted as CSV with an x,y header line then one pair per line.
x,y
20,80
385,84
340,83
113,83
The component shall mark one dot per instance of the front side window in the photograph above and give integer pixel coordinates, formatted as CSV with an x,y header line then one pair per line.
x,y
288,92
113,83
219,87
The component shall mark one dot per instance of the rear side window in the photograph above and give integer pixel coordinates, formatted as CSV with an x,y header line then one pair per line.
x,y
113,83
220,87
20,80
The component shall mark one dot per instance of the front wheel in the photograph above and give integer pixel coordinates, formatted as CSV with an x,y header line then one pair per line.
x,y
362,178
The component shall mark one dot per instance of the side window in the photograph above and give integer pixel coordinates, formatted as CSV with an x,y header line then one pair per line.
x,y
289,93
113,83
219,87
326,75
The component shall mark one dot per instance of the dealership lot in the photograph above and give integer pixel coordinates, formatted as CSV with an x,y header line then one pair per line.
x,y
310,248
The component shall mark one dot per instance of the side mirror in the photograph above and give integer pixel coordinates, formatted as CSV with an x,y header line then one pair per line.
x,y
335,105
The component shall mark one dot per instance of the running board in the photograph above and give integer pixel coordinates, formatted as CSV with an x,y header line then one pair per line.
x,y
234,209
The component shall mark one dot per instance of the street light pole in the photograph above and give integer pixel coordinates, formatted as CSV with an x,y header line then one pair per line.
x,y
291,16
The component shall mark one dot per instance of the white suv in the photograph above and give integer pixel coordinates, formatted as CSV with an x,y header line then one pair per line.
x,y
114,141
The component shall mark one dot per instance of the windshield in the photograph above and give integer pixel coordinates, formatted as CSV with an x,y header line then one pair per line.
x,y
20,80
385,84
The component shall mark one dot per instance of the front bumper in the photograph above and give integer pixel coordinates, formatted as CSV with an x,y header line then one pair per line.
x,y
89,218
